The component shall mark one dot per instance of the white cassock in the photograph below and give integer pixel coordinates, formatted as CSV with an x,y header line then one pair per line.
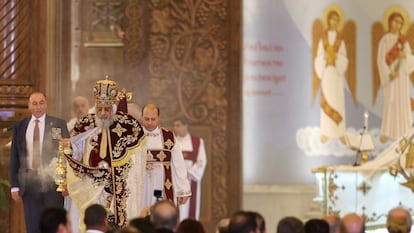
x,y
195,170
155,177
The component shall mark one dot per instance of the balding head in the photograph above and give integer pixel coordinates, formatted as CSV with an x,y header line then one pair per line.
x,y
242,222
399,220
352,223
80,106
150,117
333,222
164,214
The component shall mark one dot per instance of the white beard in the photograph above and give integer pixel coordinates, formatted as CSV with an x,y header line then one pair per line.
x,y
104,123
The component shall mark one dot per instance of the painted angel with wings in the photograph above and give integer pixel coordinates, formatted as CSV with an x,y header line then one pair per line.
x,y
393,63
333,46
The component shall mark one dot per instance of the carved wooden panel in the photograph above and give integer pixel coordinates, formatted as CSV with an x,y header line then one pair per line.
x,y
189,69
96,50
15,50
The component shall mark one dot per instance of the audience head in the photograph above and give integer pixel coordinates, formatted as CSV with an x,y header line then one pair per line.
x,y
290,225
164,230
150,117
55,220
399,220
80,106
261,224
144,225
164,214
242,222
37,104
223,225
181,127
96,218
127,229
334,222
316,226
352,223
190,226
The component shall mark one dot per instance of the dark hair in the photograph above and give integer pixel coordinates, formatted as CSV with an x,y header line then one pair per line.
x,y
95,216
142,224
261,224
127,229
164,230
51,218
316,226
183,120
290,225
242,222
190,226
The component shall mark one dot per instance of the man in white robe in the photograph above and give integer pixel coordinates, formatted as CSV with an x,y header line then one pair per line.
x,y
196,160
166,171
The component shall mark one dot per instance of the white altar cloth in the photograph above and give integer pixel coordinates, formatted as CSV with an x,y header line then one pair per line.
x,y
368,190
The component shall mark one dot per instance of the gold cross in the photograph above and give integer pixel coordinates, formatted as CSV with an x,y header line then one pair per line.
x,y
119,130
161,156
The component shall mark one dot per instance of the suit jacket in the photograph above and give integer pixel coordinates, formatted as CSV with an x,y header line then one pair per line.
x,y
18,161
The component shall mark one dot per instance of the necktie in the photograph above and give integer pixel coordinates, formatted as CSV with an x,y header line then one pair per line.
x,y
36,146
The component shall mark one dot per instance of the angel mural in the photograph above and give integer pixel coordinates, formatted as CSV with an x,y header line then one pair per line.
x,y
392,69
333,46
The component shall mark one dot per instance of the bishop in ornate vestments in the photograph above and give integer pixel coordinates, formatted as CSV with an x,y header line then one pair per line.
x,y
107,162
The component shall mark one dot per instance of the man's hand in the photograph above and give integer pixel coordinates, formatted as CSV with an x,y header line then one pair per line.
x,y
65,191
65,142
182,200
145,211
16,197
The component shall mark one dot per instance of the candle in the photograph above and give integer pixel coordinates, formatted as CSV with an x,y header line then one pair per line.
x,y
366,121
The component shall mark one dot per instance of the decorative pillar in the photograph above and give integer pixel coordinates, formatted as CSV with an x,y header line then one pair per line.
x,y
15,83
15,86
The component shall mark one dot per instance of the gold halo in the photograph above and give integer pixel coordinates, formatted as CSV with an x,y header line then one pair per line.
x,y
340,13
404,14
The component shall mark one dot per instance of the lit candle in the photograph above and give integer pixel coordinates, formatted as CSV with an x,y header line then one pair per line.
x,y
366,121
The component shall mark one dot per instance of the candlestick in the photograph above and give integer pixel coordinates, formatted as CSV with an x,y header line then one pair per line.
x,y
366,114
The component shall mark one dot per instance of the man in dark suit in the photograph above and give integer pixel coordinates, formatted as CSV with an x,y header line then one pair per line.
x,y
34,146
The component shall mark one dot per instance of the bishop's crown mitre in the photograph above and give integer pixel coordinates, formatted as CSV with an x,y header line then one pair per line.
x,y
106,92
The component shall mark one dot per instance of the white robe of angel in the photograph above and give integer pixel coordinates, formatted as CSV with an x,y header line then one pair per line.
x,y
332,86
396,117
